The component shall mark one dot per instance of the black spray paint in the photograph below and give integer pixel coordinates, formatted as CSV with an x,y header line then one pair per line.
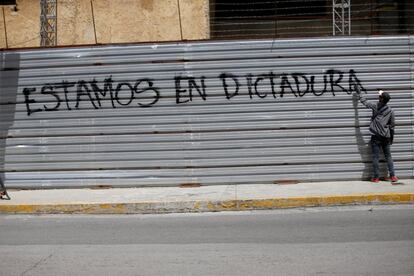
x,y
120,94
143,92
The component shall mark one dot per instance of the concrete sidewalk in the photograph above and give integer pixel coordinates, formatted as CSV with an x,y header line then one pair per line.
x,y
206,198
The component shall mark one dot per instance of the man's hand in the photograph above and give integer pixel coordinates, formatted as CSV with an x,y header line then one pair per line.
x,y
356,89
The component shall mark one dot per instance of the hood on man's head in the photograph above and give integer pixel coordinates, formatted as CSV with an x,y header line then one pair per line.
x,y
385,96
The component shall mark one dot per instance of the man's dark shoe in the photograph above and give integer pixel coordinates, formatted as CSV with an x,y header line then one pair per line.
x,y
4,195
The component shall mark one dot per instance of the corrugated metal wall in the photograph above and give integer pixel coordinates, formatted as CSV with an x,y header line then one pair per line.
x,y
207,112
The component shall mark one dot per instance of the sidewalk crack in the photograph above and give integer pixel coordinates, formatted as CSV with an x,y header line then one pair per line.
x,y
37,264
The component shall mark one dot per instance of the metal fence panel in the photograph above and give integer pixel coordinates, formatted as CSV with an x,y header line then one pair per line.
x,y
251,111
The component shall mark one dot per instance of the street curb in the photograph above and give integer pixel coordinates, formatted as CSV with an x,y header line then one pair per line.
x,y
208,206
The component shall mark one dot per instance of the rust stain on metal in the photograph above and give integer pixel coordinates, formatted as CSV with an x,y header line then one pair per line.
x,y
101,187
190,185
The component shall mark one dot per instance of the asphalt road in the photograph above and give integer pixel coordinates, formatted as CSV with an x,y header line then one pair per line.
x,y
328,241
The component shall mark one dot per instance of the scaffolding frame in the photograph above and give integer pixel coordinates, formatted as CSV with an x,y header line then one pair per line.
x,y
48,22
341,17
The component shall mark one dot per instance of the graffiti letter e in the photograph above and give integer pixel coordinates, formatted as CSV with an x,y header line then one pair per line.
x,y
28,101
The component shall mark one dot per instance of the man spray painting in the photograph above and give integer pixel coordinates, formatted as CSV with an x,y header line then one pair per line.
x,y
382,132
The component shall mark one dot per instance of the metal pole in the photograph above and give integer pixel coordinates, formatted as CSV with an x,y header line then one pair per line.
x,y
333,17
349,17
343,16
5,28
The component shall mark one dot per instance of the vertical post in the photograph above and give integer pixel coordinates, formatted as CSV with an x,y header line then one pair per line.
x,y
275,33
93,21
179,17
5,28
48,22
333,18
349,17
56,10
341,17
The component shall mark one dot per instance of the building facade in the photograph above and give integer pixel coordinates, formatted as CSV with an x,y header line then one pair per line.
x,y
86,22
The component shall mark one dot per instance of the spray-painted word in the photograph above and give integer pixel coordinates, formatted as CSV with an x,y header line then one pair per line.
x,y
120,94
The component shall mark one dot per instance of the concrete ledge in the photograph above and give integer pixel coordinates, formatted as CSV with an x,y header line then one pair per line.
x,y
208,205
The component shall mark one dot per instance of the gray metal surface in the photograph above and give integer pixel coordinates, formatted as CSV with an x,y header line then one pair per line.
x,y
149,131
